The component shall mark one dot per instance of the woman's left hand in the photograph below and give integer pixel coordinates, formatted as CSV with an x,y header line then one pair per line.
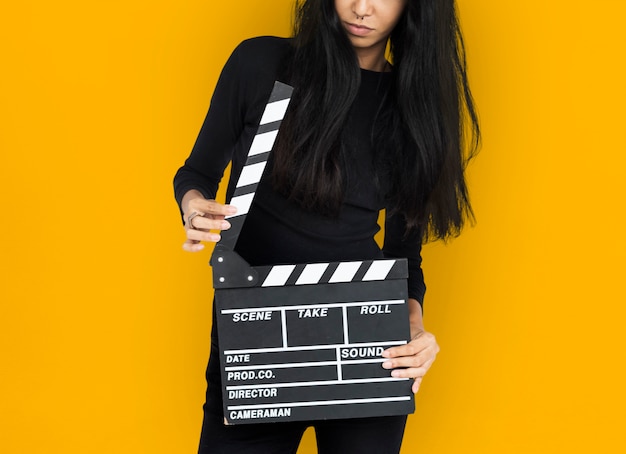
x,y
413,359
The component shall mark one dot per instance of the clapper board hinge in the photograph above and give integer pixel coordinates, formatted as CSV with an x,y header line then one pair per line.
x,y
230,270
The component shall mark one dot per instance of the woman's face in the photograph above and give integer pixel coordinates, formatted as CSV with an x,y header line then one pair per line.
x,y
369,23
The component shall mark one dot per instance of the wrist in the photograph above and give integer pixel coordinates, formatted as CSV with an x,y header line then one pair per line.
x,y
416,323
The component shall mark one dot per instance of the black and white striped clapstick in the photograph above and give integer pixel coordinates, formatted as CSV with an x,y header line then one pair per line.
x,y
254,167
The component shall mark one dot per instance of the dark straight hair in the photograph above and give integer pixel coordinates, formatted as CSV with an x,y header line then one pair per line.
x,y
425,135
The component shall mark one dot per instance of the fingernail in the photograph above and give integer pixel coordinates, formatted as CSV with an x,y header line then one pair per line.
x,y
216,238
395,374
225,225
387,365
231,209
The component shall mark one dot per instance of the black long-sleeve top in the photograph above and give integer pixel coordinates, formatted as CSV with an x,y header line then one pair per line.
x,y
276,230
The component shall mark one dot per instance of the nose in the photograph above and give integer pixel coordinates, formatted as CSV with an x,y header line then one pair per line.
x,y
362,8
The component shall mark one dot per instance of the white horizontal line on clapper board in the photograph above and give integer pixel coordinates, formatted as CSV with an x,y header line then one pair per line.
x,y
322,402
317,383
311,306
313,347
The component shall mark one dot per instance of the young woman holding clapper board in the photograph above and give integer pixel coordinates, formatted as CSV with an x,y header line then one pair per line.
x,y
362,134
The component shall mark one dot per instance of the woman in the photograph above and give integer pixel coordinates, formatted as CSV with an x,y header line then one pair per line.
x,y
361,134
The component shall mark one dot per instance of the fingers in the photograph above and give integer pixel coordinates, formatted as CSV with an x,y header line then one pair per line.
x,y
208,222
203,217
210,207
192,246
195,236
413,359
422,341
409,367
416,385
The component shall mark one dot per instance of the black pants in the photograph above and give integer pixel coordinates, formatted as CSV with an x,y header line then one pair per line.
x,y
382,435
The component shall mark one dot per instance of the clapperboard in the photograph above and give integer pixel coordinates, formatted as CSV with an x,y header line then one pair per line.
x,y
304,341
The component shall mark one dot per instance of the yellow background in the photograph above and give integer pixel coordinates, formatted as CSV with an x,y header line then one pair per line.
x,y
104,320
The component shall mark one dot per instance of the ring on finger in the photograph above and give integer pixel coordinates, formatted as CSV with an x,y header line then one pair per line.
x,y
190,218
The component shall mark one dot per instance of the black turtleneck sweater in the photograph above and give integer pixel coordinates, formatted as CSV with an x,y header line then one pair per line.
x,y
278,231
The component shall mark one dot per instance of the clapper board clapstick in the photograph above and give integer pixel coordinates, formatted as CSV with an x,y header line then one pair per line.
x,y
304,341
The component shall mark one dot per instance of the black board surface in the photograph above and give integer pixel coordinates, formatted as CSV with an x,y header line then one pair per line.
x,y
292,352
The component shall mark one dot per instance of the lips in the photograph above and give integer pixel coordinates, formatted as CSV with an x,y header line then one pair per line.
x,y
358,30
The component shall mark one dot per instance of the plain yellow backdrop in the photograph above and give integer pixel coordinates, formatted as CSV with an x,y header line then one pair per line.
x,y
104,320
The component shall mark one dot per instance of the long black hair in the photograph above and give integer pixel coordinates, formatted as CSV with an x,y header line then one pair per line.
x,y
424,139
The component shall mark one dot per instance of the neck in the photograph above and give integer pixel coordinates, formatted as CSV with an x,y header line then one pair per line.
x,y
372,59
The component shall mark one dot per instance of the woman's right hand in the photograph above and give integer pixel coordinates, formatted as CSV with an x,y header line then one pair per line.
x,y
201,216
